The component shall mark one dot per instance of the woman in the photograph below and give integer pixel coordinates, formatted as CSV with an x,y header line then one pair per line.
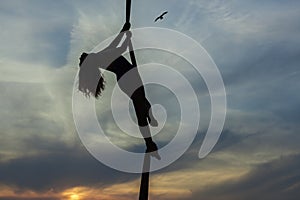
x,y
91,81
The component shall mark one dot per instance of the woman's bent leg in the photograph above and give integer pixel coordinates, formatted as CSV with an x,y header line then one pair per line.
x,y
150,116
141,114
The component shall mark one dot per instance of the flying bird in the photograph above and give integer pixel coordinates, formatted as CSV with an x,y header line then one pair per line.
x,y
161,17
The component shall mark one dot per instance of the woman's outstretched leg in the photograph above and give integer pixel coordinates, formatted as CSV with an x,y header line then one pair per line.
x,y
132,85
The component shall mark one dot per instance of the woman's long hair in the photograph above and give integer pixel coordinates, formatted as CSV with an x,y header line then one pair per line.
x,y
91,80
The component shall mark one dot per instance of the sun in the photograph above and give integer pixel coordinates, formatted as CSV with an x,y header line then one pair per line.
x,y
74,197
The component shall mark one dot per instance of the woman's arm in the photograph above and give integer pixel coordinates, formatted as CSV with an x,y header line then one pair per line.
x,y
115,42
118,39
126,42
108,56
116,52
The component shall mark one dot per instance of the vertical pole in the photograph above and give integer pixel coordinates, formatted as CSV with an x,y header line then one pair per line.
x,y
132,55
144,187
128,10
131,52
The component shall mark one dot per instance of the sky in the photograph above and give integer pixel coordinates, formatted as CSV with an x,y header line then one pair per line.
x,y
256,46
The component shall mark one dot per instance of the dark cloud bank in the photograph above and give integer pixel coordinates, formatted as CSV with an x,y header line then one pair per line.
x,y
275,180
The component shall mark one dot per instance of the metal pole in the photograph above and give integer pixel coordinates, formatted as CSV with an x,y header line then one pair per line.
x,y
128,10
144,187
131,52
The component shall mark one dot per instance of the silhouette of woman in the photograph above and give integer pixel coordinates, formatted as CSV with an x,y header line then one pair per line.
x,y
91,81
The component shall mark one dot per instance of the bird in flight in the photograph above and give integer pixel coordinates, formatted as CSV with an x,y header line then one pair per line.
x,y
161,16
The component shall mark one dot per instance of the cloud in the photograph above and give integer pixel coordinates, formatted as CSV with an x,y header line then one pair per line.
x,y
32,108
63,168
276,179
33,31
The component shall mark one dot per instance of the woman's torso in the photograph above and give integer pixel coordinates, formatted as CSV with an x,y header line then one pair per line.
x,y
128,77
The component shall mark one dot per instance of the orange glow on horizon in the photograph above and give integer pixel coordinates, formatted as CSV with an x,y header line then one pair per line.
x,y
172,185
74,197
